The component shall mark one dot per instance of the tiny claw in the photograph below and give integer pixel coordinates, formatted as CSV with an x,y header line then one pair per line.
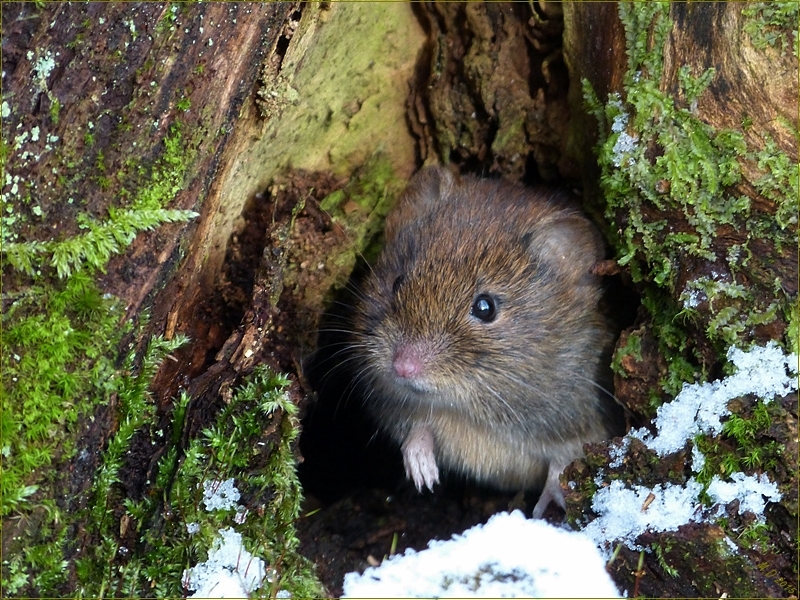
x,y
419,458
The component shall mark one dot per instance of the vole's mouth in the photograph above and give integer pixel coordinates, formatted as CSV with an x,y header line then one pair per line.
x,y
418,384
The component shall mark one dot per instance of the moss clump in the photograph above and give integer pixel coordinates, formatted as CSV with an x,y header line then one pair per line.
x,y
59,358
632,347
673,187
251,442
669,183
772,24
745,445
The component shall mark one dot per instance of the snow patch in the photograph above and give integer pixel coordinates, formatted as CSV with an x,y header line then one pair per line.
x,y
749,490
220,495
230,571
765,372
625,513
510,556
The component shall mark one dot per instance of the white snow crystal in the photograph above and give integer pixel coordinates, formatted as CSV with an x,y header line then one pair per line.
x,y
617,453
619,123
748,489
220,494
625,144
698,459
230,571
625,513
508,557
764,372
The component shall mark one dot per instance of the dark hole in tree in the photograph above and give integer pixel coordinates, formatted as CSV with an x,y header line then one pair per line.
x,y
341,446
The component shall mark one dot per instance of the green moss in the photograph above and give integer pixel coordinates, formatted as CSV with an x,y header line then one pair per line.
x,y
184,104
668,569
55,110
361,207
170,19
772,24
746,444
632,347
658,158
233,446
104,239
57,359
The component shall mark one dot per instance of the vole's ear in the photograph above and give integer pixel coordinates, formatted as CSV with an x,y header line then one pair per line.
x,y
569,244
424,191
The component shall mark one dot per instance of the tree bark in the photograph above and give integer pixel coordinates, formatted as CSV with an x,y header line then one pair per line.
x,y
290,127
250,114
715,262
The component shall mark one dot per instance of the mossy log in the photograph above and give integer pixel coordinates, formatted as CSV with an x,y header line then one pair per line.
x,y
288,128
121,123
684,122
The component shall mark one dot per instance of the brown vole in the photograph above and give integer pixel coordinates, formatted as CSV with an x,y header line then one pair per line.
x,y
478,333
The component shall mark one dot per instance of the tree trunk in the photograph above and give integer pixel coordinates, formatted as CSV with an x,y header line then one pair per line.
x,y
281,133
691,109
118,120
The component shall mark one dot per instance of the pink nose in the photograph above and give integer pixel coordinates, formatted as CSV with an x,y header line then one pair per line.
x,y
407,362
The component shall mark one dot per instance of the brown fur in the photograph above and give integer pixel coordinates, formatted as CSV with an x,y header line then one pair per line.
x,y
505,399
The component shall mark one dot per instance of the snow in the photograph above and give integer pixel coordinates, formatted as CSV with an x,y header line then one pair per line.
x,y
625,143
765,372
750,491
699,407
510,556
220,495
617,453
625,513
230,571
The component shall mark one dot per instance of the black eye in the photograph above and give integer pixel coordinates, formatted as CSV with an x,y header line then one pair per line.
x,y
397,283
484,308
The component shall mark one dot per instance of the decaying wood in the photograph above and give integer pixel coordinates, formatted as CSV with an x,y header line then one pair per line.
x,y
490,91
493,85
759,87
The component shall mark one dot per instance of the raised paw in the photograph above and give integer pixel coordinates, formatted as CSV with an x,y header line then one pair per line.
x,y
419,458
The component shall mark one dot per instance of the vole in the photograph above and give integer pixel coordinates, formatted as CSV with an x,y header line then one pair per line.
x,y
478,334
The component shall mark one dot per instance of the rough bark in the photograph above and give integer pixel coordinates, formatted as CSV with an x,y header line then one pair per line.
x,y
490,93
249,113
751,97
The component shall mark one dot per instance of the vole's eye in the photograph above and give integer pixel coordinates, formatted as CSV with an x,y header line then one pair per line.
x,y
397,283
484,308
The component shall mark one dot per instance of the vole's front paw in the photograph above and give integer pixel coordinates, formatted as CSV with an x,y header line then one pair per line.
x,y
419,458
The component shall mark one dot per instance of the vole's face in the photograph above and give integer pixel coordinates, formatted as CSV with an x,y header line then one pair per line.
x,y
446,314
